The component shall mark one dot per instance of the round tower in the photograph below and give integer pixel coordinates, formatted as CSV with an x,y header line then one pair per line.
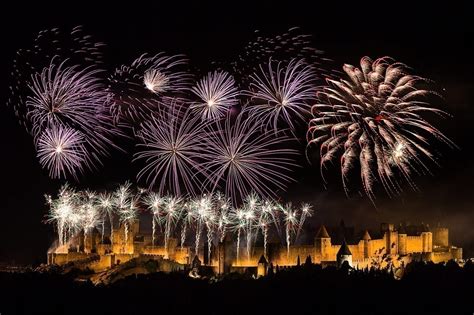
x,y
262,267
427,239
344,254
440,237
366,238
322,242
402,240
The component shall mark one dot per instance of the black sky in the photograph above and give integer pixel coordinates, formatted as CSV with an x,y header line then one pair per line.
x,y
435,39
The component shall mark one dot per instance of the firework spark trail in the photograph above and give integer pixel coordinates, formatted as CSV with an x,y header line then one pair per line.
x,y
170,145
250,207
200,210
306,211
217,93
266,217
64,96
126,204
76,211
105,205
171,213
74,47
374,119
223,206
154,203
61,150
90,216
282,47
290,221
240,159
282,94
141,88
237,219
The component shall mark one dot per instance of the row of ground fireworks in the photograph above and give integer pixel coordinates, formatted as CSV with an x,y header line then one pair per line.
x,y
230,129
74,212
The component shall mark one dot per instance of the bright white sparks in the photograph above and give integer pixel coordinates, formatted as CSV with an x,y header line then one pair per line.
x,y
217,93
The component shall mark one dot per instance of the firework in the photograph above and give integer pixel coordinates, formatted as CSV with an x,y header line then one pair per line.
x,y
106,206
282,47
237,219
216,93
240,159
290,217
67,97
90,217
61,151
171,213
375,120
267,217
223,208
306,211
170,146
85,211
141,88
200,214
74,47
62,212
282,93
154,202
126,204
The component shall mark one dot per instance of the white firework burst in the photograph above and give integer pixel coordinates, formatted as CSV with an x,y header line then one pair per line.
x,y
282,93
217,93
241,159
374,119
148,83
66,97
170,146
61,151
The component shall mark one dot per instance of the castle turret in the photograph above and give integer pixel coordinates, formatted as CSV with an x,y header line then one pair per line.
x,y
391,238
344,254
402,240
427,239
224,259
366,238
322,243
440,237
262,267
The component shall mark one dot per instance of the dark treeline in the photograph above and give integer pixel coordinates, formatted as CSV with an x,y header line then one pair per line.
x,y
425,289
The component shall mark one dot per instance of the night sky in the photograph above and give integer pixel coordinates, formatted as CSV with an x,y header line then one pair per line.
x,y
435,40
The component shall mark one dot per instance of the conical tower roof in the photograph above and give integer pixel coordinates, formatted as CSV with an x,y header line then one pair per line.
x,y
262,260
344,250
366,236
322,233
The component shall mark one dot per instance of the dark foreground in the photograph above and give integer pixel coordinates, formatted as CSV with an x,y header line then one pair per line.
x,y
425,289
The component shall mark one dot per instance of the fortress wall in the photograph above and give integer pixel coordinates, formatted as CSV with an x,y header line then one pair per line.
x,y
302,251
123,258
441,237
456,252
438,257
357,251
181,255
252,261
377,247
414,244
154,250
104,263
280,257
61,259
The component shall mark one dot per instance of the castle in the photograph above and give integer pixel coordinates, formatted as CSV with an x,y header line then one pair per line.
x,y
389,246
